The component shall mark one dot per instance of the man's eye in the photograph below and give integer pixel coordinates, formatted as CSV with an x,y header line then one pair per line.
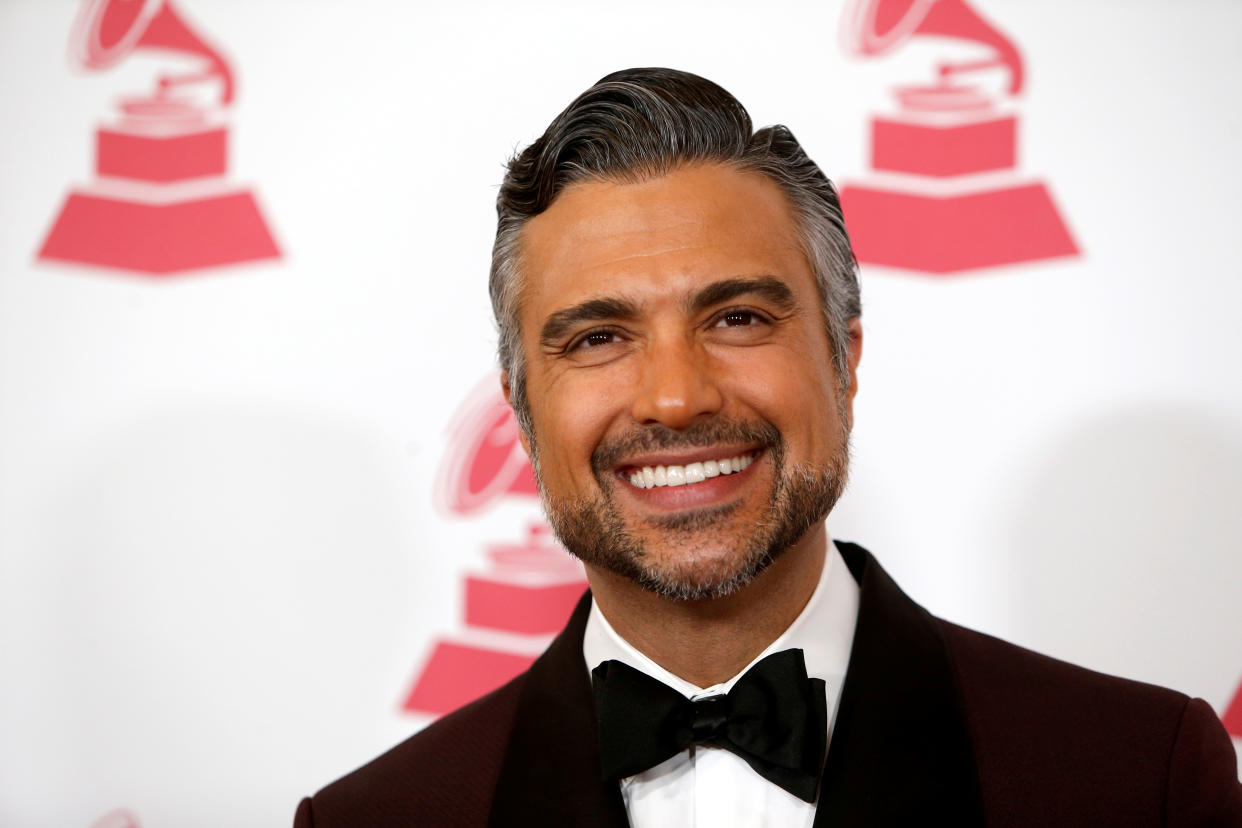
x,y
595,339
737,319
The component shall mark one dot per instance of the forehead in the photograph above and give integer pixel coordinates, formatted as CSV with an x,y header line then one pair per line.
x,y
658,237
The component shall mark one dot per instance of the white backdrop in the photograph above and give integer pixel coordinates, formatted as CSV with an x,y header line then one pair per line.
x,y
222,562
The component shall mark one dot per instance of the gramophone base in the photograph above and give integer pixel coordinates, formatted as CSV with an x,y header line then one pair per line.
x,y
970,145
948,234
159,238
458,673
1233,715
523,607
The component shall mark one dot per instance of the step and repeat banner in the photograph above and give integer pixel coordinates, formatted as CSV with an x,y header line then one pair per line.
x,y
263,511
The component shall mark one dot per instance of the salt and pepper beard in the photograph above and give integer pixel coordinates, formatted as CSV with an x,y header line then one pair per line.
x,y
593,530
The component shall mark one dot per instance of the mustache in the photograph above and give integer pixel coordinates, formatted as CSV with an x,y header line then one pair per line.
x,y
609,454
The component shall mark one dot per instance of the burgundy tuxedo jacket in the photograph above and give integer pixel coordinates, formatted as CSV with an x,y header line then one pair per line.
x,y
937,725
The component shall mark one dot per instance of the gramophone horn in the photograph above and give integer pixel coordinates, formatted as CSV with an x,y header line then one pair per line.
x,y
873,27
105,31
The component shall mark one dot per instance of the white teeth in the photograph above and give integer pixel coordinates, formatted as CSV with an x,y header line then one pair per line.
x,y
649,478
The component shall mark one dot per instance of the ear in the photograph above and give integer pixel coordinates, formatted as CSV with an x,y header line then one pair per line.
x,y
855,355
507,388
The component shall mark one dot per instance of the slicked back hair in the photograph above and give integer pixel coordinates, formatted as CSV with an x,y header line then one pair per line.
x,y
638,124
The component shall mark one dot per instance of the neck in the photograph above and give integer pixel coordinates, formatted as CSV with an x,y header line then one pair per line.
x,y
709,641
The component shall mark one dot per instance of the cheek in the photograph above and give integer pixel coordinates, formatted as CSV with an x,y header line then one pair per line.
x,y
571,418
781,378
795,394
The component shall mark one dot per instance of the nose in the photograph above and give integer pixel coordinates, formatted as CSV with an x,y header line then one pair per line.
x,y
678,385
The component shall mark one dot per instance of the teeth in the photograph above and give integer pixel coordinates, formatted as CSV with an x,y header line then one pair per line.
x,y
650,478
694,473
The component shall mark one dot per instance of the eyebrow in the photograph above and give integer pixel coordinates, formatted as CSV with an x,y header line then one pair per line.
x,y
592,310
768,287
597,310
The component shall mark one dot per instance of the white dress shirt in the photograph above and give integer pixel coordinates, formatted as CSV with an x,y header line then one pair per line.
x,y
708,786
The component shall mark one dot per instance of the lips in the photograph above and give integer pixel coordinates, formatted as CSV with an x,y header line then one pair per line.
x,y
656,476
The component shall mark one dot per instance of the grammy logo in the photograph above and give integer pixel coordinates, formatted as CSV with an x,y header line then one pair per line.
x,y
1233,715
526,592
943,195
160,203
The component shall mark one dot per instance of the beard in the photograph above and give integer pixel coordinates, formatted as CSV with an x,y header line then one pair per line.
x,y
593,530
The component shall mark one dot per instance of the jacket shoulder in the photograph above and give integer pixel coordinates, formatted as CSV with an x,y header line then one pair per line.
x,y
443,775
1081,742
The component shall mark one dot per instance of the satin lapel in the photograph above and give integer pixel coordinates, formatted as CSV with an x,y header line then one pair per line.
x,y
900,752
551,771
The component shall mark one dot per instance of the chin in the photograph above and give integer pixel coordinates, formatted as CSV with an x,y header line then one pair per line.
x,y
704,576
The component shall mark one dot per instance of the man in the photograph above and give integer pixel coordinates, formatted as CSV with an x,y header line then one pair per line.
x,y
679,334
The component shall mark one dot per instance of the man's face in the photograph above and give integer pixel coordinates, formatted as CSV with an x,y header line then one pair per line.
x,y
673,335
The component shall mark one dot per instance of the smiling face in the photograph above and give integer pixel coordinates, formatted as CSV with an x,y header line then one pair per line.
x,y
688,426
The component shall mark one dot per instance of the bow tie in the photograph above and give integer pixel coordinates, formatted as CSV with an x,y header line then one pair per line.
x,y
774,717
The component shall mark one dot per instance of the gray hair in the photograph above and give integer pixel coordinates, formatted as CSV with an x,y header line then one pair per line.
x,y
638,124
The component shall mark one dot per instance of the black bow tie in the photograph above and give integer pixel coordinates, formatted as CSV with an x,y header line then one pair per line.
x,y
774,717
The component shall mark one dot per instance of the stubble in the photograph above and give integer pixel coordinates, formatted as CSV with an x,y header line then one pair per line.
x,y
690,563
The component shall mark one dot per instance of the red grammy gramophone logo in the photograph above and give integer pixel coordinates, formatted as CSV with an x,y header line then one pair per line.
x,y
1233,715
943,194
160,203
529,588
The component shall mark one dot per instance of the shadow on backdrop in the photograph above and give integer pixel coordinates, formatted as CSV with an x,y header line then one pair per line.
x,y
225,575
1124,536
